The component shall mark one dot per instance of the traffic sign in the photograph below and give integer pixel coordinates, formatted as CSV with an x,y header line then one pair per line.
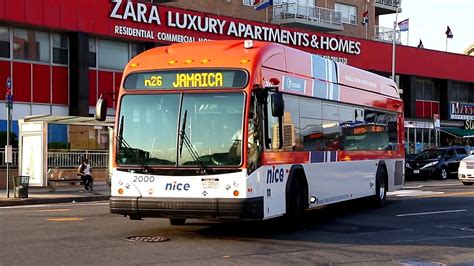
x,y
9,83
9,96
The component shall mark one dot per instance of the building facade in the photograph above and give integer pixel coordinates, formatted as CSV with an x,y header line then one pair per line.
x,y
62,55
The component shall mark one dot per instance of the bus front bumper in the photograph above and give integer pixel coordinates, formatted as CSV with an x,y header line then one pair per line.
x,y
215,208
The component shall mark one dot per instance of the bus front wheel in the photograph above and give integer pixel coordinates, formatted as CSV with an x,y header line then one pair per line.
x,y
177,221
296,202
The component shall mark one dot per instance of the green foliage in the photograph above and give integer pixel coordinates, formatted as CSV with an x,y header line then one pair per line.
x,y
3,139
58,146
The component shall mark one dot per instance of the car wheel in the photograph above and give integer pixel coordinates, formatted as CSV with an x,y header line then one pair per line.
x,y
443,173
467,183
177,221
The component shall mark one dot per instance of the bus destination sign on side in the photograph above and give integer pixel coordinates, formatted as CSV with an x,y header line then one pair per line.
x,y
187,79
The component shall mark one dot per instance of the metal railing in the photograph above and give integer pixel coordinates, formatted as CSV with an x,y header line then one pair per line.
x,y
284,10
386,34
65,159
392,3
15,158
74,158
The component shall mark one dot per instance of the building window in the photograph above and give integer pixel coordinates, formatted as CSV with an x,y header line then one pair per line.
x,y
4,42
460,92
349,13
247,2
426,90
112,55
31,45
60,49
92,52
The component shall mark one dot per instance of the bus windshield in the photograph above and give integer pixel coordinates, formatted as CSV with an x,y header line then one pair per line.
x,y
149,127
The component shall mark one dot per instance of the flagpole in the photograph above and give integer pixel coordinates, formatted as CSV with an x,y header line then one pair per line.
x,y
366,24
408,36
446,43
393,40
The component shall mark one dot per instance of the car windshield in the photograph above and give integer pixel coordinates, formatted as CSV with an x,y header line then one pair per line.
x,y
430,154
150,125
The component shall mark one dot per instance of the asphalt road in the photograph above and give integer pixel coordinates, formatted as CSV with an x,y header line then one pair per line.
x,y
429,223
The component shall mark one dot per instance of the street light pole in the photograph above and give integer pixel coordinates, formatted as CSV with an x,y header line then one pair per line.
x,y
393,39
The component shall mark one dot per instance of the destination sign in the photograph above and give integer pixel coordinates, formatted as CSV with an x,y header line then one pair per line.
x,y
187,79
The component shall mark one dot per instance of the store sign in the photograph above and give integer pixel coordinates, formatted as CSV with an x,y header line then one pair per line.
x,y
173,19
461,111
418,124
469,124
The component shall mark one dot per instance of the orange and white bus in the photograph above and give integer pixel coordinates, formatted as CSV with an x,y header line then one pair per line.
x,y
250,130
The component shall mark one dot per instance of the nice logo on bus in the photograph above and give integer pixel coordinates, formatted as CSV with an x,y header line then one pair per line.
x,y
275,175
174,186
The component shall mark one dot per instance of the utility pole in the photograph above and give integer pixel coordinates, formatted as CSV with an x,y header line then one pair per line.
x,y
8,149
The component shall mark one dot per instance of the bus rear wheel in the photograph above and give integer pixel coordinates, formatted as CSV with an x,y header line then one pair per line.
x,y
380,196
177,221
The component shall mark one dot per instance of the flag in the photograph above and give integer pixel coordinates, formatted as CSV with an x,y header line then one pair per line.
x,y
261,4
449,33
420,45
403,25
365,17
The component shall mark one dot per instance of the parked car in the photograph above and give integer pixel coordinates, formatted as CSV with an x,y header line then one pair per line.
x,y
437,163
466,169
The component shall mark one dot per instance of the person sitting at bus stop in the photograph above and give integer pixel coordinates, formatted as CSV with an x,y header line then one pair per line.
x,y
84,171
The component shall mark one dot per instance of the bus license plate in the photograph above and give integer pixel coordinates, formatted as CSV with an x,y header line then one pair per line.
x,y
210,183
416,171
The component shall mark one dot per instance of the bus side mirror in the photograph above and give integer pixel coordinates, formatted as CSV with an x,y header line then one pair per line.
x,y
101,109
278,105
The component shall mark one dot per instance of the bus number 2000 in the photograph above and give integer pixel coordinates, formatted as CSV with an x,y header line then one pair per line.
x,y
143,178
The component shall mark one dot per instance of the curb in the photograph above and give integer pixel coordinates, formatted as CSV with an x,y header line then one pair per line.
x,y
36,201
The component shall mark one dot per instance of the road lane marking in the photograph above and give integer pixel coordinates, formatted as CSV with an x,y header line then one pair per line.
x,y
67,219
431,239
54,210
427,213
413,193
449,194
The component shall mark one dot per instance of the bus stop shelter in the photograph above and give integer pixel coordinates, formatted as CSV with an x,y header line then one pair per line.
x,y
33,143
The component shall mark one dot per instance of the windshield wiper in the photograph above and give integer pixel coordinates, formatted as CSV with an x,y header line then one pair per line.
x,y
185,140
128,148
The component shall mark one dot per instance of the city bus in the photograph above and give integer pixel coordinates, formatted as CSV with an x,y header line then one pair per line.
x,y
248,130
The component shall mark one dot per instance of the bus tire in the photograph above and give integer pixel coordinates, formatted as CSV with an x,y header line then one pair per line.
x,y
296,198
380,196
177,221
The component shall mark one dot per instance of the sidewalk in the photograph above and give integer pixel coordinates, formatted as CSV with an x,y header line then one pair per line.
x,y
63,194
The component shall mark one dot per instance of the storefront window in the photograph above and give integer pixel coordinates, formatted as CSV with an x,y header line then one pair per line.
x,y
113,55
137,48
60,49
31,45
4,42
92,52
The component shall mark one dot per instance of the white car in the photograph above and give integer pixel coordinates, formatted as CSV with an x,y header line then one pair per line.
x,y
466,170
